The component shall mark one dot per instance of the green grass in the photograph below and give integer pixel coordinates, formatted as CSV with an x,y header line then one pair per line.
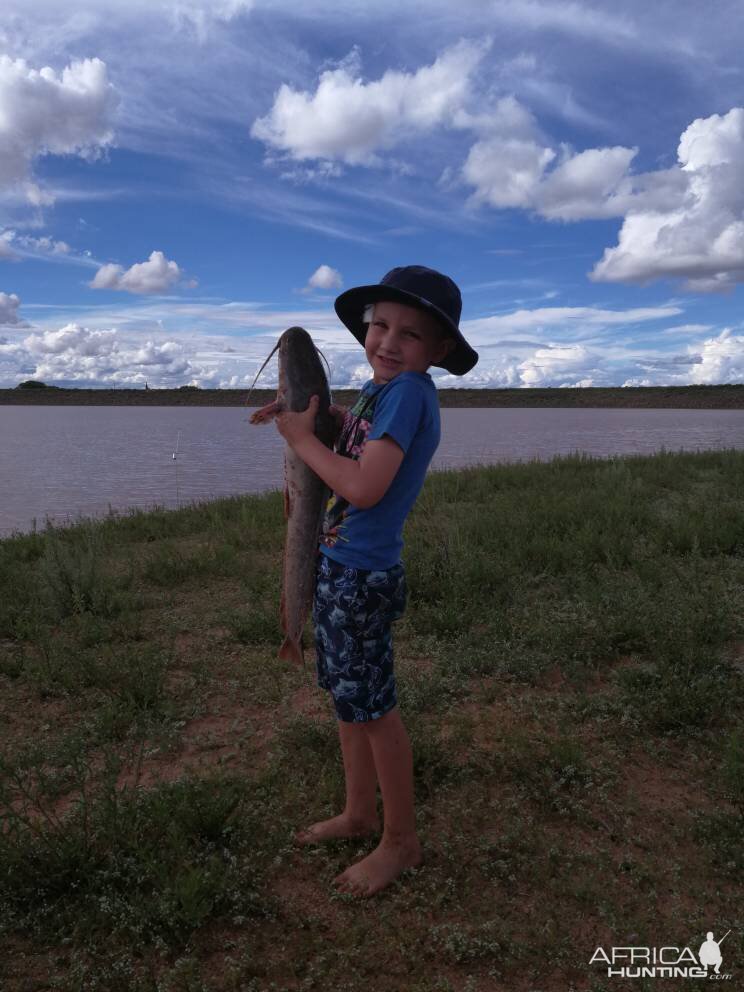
x,y
571,674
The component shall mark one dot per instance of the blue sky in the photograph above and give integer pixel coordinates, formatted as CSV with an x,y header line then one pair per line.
x,y
181,181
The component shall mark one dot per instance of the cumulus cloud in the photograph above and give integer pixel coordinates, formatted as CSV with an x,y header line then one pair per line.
x,y
350,120
77,354
165,343
512,165
555,362
720,359
588,184
686,222
506,171
324,277
43,112
699,237
9,304
72,338
156,275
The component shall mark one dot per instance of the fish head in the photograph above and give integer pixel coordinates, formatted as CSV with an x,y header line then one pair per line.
x,y
301,375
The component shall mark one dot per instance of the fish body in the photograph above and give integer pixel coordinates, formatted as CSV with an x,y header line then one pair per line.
x,y
301,375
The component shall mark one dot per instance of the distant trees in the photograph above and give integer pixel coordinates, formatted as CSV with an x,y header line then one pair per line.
x,y
38,384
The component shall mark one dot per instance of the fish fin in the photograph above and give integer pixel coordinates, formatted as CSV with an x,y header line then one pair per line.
x,y
291,651
266,413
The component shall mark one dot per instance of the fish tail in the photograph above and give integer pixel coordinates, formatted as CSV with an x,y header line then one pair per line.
x,y
292,651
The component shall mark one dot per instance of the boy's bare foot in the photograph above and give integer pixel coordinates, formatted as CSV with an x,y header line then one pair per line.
x,y
337,826
379,868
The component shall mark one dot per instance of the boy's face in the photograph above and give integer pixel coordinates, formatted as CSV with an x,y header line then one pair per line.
x,y
403,339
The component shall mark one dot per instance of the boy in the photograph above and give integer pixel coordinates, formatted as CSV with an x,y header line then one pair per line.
x,y
406,323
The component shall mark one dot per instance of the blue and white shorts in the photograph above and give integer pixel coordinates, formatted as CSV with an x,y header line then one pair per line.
x,y
353,610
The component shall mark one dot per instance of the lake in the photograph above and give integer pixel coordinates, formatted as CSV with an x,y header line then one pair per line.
x,y
62,462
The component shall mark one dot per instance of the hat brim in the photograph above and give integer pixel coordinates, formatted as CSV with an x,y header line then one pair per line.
x,y
350,309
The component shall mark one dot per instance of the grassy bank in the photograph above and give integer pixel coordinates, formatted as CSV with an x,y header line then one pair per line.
x,y
719,397
571,671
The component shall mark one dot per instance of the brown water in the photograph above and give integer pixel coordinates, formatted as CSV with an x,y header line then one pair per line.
x,y
68,461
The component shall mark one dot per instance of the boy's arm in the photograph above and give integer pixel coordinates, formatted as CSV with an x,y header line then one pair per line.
x,y
362,483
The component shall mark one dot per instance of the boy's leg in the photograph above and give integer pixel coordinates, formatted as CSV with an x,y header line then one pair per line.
x,y
399,848
360,813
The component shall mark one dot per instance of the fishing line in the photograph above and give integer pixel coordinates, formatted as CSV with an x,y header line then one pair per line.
x,y
175,459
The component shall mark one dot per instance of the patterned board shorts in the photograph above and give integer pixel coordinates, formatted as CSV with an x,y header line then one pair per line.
x,y
353,610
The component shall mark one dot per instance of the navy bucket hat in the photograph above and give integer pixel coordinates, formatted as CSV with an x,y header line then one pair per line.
x,y
414,286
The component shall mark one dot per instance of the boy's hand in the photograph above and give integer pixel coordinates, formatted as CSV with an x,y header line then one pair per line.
x,y
295,426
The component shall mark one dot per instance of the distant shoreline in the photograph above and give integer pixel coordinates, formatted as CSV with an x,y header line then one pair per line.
x,y
719,397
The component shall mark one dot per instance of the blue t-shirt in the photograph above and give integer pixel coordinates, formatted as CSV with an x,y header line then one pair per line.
x,y
406,409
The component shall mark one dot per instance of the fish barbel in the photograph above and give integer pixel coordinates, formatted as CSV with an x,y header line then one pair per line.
x,y
301,376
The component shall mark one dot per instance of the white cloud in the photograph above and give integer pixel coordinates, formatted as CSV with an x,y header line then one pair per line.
x,y
586,184
43,113
573,18
509,167
679,329
200,15
721,359
77,354
506,171
485,330
156,275
505,117
45,245
512,166
27,245
6,251
699,237
15,246
72,339
351,120
685,222
553,362
324,277
169,342
9,304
